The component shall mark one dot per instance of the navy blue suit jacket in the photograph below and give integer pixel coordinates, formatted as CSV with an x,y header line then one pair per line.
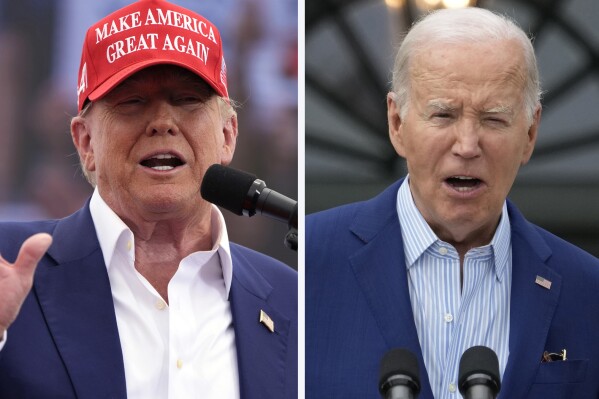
x,y
358,306
65,342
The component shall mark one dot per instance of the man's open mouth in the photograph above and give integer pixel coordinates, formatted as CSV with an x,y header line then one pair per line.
x,y
162,162
463,183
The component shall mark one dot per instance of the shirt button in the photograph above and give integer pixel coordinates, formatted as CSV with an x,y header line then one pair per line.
x,y
443,251
129,245
452,387
179,363
160,305
448,317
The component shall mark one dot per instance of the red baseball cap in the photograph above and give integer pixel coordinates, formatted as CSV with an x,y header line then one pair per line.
x,y
145,33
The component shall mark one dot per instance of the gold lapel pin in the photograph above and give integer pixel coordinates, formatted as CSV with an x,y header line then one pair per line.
x,y
543,282
267,321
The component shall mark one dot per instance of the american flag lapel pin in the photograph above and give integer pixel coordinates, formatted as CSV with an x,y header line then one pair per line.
x,y
267,321
543,282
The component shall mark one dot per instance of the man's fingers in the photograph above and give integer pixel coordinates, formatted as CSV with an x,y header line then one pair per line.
x,y
31,252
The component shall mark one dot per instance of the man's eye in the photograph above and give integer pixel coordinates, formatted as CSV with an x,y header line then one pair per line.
x,y
496,121
189,99
441,115
130,101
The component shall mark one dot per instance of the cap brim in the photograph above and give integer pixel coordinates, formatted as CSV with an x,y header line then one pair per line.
x,y
124,73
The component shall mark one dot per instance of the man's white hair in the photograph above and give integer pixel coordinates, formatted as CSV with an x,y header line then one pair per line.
x,y
457,26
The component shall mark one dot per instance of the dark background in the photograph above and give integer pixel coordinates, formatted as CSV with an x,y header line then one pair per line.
x,y
350,47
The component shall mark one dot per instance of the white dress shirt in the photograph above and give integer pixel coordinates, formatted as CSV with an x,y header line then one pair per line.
x,y
183,349
448,319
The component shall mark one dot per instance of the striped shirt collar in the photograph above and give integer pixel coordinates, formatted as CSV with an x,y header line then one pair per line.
x,y
418,236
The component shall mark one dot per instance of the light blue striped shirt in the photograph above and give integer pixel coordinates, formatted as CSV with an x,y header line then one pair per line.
x,y
449,320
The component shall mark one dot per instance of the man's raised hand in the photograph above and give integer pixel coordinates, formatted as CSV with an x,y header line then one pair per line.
x,y
16,279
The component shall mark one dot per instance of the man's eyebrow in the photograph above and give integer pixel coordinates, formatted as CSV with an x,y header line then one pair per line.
x,y
500,109
440,105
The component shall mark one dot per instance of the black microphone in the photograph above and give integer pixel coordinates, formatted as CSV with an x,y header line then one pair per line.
x,y
399,375
244,194
479,373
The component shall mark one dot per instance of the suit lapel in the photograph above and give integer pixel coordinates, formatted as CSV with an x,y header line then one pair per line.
x,y
76,301
261,354
380,270
532,306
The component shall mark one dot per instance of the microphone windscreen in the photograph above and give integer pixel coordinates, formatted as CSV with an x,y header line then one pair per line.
x,y
399,361
478,360
226,187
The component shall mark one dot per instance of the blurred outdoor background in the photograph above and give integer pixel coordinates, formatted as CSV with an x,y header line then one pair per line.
x,y
350,46
40,49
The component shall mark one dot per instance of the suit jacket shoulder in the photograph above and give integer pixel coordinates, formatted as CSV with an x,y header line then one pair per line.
x,y
357,300
551,316
264,306
351,224
13,234
358,305
65,342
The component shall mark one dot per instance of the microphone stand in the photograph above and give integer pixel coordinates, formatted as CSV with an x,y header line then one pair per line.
x,y
291,239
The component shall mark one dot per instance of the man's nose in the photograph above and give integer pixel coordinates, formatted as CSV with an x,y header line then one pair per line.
x,y
467,140
162,118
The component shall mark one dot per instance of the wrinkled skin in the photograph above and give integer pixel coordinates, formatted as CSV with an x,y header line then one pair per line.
x,y
465,134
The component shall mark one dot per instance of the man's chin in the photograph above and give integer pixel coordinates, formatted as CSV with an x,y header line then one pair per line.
x,y
163,200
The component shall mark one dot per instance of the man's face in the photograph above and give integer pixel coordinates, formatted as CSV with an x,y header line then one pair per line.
x,y
464,136
151,139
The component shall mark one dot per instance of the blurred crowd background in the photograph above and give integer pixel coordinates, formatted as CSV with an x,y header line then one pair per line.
x,y
40,49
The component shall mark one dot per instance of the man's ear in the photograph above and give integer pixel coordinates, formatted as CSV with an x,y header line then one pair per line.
x,y
80,133
230,133
531,136
395,123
